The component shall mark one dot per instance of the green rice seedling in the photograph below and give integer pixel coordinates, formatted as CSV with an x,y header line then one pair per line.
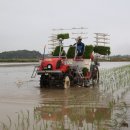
x,y
16,127
10,122
115,79
119,116
4,126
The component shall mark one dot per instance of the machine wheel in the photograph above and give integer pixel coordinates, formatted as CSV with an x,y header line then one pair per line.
x,y
66,83
95,77
42,81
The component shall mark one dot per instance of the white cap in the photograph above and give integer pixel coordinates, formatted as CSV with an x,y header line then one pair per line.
x,y
60,39
79,38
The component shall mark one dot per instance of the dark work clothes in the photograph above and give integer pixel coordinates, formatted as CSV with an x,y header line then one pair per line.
x,y
80,49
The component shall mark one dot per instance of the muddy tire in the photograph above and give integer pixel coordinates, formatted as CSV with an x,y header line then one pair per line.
x,y
42,81
95,77
66,82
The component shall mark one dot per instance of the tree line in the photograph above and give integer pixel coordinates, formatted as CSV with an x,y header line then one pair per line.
x,y
20,54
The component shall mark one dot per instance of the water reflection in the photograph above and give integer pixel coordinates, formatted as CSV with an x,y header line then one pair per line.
x,y
73,116
71,110
95,108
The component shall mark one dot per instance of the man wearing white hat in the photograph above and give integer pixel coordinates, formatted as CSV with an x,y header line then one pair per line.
x,y
80,46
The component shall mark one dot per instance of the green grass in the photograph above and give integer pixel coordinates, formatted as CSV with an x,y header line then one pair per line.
x,y
19,60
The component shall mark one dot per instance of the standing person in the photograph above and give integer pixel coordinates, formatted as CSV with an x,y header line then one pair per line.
x,y
80,46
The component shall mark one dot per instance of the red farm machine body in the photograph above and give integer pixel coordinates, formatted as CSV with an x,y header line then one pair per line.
x,y
65,72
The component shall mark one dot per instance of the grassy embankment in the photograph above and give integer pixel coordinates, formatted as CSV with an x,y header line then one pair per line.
x,y
19,60
120,59
36,60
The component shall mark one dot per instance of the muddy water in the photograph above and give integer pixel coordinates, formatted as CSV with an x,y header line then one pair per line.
x,y
75,108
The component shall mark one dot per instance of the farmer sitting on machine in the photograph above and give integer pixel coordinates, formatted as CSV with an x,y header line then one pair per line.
x,y
80,46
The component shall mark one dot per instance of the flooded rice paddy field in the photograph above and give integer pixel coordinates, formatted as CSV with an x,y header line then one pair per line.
x,y
24,106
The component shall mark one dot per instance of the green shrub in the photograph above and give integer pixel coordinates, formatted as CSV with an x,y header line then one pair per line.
x,y
63,36
88,51
71,52
57,51
85,70
103,50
